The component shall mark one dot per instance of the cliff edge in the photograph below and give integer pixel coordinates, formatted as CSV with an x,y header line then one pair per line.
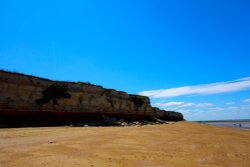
x,y
23,97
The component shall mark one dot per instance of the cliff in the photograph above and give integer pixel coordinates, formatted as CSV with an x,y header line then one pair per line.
x,y
34,96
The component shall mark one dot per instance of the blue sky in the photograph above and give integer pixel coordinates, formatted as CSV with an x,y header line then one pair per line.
x,y
138,46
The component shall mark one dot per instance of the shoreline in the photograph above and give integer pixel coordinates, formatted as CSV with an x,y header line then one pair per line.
x,y
239,124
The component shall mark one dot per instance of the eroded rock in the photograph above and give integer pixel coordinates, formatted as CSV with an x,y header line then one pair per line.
x,y
24,99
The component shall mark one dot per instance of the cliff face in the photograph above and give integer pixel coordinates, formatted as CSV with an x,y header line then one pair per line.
x,y
22,93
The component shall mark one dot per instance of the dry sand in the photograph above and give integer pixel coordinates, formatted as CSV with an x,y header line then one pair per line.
x,y
175,145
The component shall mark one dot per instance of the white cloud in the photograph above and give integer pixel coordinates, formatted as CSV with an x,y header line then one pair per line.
x,y
170,104
213,88
246,101
245,108
171,109
230,103
204,105
233,108
184,104
184,111
216,109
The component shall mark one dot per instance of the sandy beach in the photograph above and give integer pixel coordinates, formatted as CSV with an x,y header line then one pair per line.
x,y
182,144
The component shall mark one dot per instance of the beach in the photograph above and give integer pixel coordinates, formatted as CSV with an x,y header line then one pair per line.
x,y
180,144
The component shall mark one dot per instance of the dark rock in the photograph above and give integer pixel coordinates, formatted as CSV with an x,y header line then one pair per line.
x,y
3,126
109,120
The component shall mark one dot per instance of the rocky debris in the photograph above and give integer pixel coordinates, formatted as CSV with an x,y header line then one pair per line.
x,y
111,121
136,123
159,120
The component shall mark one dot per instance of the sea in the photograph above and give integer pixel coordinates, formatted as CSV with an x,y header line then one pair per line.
x,y
240,123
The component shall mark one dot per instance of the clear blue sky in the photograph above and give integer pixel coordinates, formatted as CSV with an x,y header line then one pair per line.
x,y
136,46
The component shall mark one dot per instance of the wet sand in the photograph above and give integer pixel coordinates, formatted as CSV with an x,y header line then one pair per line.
x,y
182,144
232,124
